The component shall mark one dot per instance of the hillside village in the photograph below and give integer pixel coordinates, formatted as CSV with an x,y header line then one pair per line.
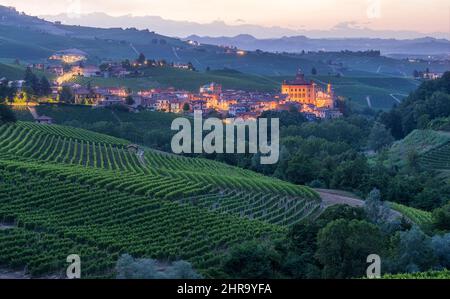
x,y
90,170
66,65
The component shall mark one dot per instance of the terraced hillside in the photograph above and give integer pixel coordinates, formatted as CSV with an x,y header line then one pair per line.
x,y
422,142
419,217
437,158
70,191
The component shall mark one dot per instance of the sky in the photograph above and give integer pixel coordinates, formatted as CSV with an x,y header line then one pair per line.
x,y
425,16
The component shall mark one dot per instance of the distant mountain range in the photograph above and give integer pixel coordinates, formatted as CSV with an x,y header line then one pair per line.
x,y
420,46
32,40
220,28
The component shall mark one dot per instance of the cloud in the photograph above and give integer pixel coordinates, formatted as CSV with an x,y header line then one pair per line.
x,y
419,15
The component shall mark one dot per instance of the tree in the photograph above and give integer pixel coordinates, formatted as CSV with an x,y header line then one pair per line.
x,y
350,173
251,260
344,245
379,137
393,122
182,270
44,87
104,67
141,59
129,268
6,114
126,64
301,169
414,252
66,95
441,218
129,100
191,67
341,212
412,160
298,260
31,81
377,211
7,92
441,249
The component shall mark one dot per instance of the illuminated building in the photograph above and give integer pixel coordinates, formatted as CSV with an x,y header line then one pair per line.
x,y
307,92
70,56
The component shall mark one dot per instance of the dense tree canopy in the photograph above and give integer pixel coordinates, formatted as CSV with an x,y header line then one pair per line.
x,y
430,101
6,114
343,247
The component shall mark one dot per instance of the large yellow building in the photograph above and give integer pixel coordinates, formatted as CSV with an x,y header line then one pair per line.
x,y
307,92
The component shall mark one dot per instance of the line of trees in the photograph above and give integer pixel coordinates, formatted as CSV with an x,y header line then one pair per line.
x,y
7,92
36,86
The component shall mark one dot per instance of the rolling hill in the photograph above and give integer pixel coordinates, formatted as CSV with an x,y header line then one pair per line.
x,y
11,72
33,39
430,46
369,80
422,142
187,80
70,191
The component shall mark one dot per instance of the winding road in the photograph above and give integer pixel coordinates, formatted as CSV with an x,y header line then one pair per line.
x,y
334,197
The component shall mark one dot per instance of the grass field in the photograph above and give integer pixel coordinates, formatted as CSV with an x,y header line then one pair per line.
x,y
68,190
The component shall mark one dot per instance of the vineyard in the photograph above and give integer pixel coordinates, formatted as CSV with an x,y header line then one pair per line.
x,y
71,191
419,217
438,158
418,141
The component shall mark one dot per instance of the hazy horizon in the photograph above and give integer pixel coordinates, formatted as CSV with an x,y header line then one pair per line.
x,y
290,15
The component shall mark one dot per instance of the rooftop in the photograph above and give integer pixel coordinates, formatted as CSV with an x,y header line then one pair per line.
x,y
299,80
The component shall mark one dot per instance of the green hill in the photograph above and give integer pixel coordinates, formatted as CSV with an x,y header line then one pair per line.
x,y
383,91
11,72
66,191
437,158
419,217
421,142
379,82
186,80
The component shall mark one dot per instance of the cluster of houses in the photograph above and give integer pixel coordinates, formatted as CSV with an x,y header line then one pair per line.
x,y
72,62
299,94
210,98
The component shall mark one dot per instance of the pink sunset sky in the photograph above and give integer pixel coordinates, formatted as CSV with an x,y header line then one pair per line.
x,y
418,15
